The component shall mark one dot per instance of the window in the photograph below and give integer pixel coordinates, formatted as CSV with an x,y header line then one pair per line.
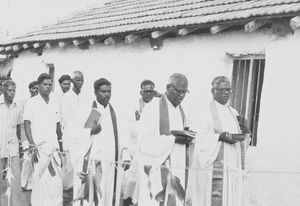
x,y
6,65
51,72
247,82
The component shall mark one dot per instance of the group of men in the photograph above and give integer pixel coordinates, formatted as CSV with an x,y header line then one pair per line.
x,y
79,157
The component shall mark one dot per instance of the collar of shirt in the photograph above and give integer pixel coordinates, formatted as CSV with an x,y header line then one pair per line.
x,y
221,105
40,98
2,101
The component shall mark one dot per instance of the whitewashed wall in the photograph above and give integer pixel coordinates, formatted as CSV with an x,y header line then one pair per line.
x,y
200,58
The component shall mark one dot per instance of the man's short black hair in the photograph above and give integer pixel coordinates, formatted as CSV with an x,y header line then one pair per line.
x,y
99,82
42,77
8,82
32,84
63,78
147,82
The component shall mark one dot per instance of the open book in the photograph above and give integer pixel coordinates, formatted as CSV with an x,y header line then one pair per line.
x,y
94,116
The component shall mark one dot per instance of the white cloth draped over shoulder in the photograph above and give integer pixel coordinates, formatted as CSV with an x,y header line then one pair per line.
x,y
154,149
206,153
77,140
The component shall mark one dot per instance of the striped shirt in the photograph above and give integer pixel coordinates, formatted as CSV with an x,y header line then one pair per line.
x,y
10,117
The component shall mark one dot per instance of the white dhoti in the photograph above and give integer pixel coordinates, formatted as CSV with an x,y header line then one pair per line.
x,y
47,189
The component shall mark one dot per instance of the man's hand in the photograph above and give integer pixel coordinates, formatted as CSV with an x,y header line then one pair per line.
x,y
96,128
182,139
126,164
225,137
34,152
137,115
82,175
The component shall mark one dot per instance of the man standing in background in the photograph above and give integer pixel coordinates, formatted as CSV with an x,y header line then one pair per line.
x,y
147,92
33,88
65,83
73,99
70,104
10,145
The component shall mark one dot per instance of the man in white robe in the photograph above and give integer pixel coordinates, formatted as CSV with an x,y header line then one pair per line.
x,y
159,148
105,146
42,128
70,102
130,180
217,178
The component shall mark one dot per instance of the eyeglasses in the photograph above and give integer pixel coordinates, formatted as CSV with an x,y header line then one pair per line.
x,y
148,92
180,92
224,89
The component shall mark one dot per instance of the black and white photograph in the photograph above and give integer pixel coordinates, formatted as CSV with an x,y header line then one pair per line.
x,y
149,102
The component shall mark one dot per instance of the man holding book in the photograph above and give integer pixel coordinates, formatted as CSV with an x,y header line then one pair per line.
x,y
219,157
96,150
163,146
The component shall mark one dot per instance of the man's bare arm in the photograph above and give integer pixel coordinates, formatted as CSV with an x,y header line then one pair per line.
x,y
59,136
19,138
27,126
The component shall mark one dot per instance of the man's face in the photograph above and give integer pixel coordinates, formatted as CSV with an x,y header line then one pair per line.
x,y
177,92
103,94
45,87
78,82
222,93
34,90
147,93
9,92
65,85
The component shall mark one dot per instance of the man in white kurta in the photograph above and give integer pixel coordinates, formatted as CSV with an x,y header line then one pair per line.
x,y
73,99
41,121
157,147
107,147
130,180
218,159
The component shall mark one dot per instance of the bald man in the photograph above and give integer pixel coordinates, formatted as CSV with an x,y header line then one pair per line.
x,y
160,147
70,103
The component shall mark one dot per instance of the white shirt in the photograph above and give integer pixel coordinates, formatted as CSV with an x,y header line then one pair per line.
x,y
10,117
43,118
69,105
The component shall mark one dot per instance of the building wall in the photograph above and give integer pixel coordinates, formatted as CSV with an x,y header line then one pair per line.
x,y
201,58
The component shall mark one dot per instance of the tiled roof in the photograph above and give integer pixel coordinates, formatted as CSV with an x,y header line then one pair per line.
x,y
131,16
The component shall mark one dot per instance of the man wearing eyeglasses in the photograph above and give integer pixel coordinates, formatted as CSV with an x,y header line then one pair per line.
x,y
219,155
162,153
147,93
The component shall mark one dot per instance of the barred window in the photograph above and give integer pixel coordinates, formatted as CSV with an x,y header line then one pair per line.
x,y
247,82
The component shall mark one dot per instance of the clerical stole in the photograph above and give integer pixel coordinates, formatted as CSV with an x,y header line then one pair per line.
x,y
164,129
